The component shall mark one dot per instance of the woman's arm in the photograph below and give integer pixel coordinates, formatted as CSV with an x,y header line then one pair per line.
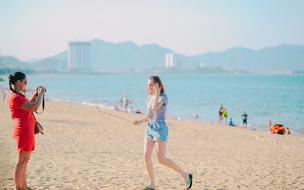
x,y
34,105
34,96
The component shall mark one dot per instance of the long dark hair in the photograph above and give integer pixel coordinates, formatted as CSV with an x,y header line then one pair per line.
x,y
157,80
13,78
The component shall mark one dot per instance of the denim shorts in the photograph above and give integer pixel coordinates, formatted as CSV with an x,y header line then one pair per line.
x,y
157,131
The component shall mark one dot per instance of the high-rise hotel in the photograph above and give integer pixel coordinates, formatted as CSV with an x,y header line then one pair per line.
x,y
79,56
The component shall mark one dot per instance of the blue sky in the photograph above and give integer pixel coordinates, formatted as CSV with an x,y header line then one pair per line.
x,y
36,29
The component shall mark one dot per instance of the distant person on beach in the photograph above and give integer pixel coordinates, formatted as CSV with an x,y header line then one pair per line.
x,y
269,123
220,112
126,103
231,122
118,105
196,116
23,132
244,118
225,116
157,132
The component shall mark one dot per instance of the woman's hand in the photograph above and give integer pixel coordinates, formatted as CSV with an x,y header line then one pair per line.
x,y
41,89
36,89
156,89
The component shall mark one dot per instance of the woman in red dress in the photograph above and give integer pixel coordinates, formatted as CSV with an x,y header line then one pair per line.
x,y
23,133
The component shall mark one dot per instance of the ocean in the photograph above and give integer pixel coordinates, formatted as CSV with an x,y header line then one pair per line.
x,y
279,98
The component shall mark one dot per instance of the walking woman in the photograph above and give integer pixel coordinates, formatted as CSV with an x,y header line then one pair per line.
x,y
23,133
157,132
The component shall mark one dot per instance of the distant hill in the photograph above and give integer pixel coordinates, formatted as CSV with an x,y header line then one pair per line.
x,y
130,57
280,58
13,63
57,62
111,57
127,55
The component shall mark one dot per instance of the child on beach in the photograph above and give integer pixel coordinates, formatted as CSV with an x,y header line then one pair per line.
x,y
231,122
157,132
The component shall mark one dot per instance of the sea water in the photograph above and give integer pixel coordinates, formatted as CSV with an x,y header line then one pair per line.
x,y
264,97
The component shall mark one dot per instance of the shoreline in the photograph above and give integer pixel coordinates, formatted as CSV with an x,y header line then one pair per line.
x,y
278,109
253,127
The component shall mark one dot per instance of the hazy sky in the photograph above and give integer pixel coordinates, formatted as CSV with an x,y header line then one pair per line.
x,y
36,29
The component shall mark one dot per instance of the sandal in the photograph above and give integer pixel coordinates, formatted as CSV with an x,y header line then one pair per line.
x,y
189,182
148,188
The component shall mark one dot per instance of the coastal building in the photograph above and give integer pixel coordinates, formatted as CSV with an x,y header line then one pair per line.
x,y
169,60
79,56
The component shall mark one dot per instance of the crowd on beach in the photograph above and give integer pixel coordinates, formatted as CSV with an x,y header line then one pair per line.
x,y
273,128
223,117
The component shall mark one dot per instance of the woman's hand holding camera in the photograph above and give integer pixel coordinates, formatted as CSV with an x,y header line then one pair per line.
x,y
40,90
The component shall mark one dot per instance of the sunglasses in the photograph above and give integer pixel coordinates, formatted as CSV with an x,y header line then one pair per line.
x,y
25,82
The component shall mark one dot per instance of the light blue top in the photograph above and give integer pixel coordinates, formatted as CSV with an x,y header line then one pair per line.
x,y
161,114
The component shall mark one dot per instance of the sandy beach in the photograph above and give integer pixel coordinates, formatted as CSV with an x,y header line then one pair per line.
x,y
87,149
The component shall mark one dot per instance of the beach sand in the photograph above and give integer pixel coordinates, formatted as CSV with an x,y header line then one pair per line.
x,y
86,149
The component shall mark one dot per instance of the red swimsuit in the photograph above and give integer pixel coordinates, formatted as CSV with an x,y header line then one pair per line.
x,y
23,131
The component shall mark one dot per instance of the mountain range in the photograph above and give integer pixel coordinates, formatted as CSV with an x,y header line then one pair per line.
x,y
130,57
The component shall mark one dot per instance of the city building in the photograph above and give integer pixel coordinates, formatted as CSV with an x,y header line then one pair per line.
x,y
79,56
169,60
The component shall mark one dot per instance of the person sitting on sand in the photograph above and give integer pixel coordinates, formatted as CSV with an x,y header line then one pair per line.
x,y
157,132
231,122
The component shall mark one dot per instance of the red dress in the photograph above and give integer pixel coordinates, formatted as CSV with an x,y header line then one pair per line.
x,y
23,131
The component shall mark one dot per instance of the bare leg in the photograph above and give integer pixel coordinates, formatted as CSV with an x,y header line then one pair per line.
x,y
148,161
19,167
18,171
161,155
24,169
